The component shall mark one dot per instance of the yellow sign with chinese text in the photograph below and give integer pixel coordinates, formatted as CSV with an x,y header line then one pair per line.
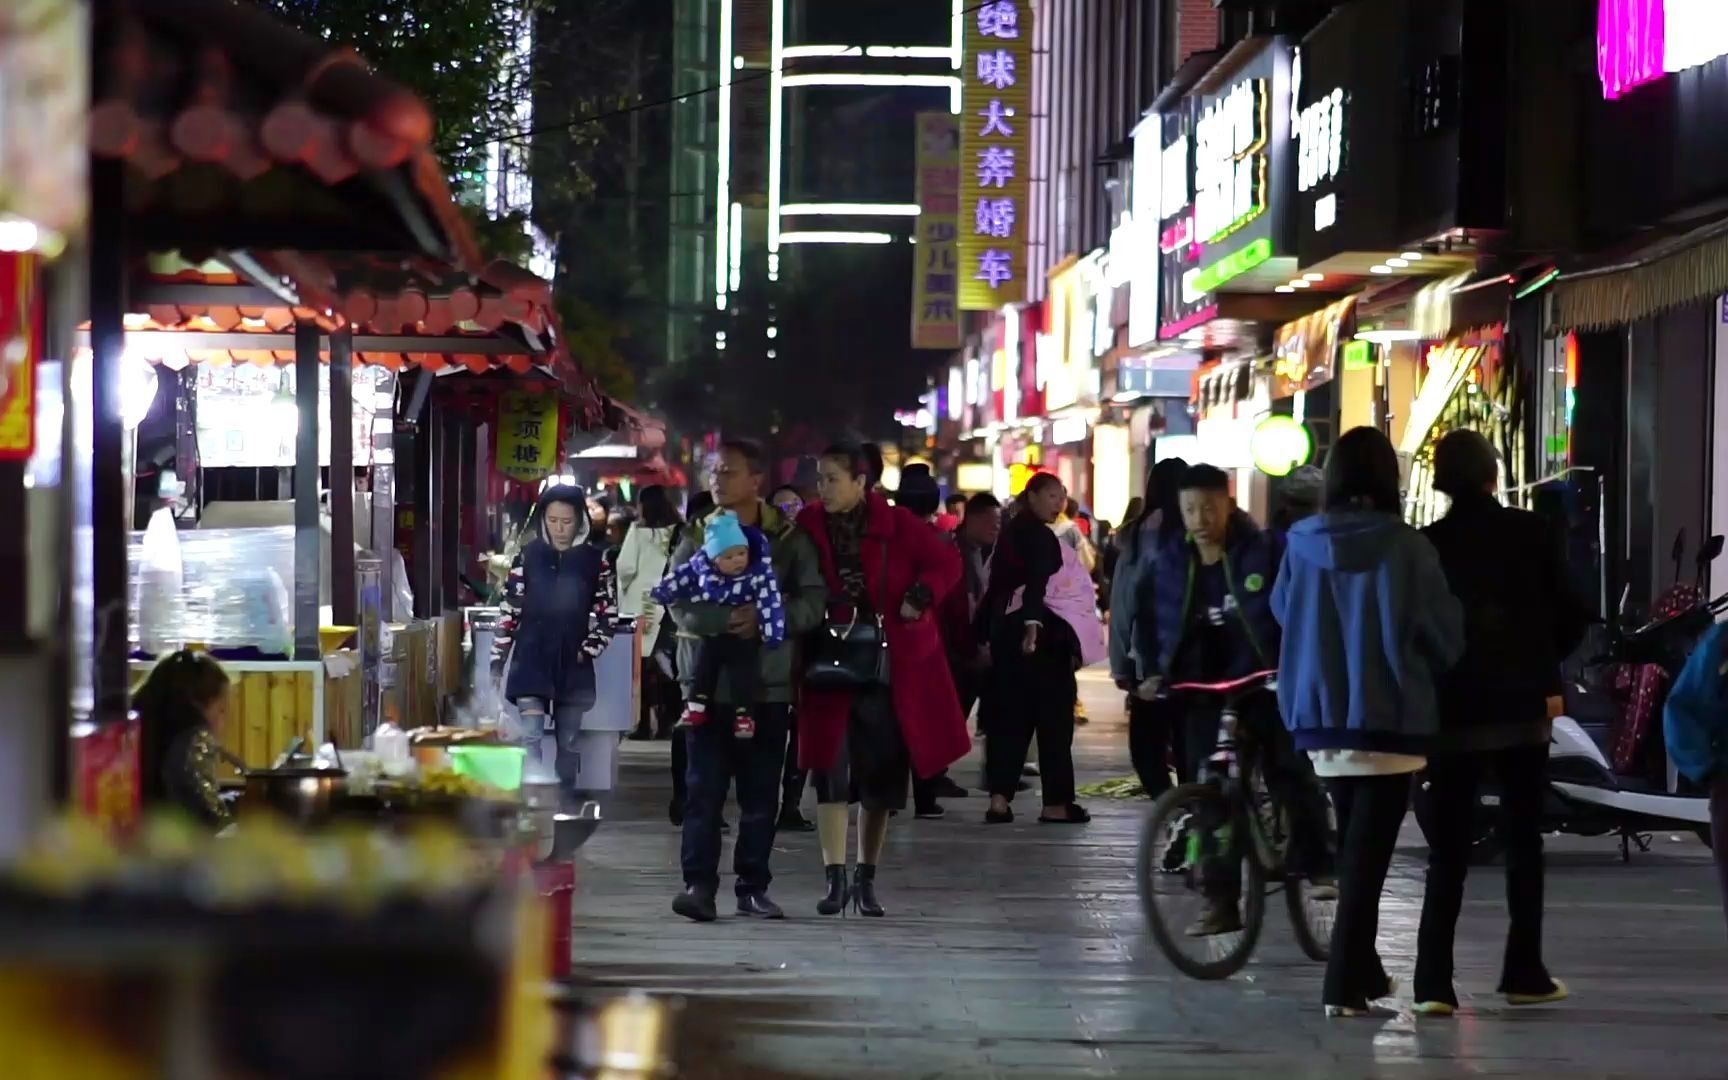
x,y
936,259
527,436
995,153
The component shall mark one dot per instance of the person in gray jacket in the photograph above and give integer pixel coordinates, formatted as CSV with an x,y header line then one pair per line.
x,y
714,758
1152,725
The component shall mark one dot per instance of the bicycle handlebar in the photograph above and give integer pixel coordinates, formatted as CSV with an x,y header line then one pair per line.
x,y
1246,681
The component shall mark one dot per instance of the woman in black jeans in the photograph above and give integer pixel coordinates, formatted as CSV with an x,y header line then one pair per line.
x,y
1496,708
1035,651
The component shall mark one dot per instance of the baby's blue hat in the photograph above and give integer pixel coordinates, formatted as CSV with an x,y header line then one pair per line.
x,y
721,533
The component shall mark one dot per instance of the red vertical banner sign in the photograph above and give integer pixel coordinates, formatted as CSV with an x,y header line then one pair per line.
x,y
106,784
20,346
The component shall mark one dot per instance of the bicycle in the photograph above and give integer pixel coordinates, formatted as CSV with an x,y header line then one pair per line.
x,y
1175,853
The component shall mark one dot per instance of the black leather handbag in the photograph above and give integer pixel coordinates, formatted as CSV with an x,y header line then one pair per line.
x,y
850,654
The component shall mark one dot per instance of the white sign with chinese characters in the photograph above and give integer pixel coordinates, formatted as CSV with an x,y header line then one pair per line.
x,y
1230,161
1320,141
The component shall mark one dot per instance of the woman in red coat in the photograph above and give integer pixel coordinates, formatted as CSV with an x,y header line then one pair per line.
x,y
880,561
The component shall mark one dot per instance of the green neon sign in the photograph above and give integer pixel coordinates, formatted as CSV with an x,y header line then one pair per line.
x,y
1358,355
1233,265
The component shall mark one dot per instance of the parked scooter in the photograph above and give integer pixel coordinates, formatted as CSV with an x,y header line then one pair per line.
x,y
1608,770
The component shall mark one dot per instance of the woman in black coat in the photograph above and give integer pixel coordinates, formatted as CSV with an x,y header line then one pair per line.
x,y
1496,708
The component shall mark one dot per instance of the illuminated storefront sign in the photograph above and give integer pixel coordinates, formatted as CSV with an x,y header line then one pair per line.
x,y
1230,161
1320,141
1174,164
1280,445
1197,283
995,142
936,259
1639,41
1145,195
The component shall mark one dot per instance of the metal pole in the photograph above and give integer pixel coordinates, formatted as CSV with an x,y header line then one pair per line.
x,y
448,507
306,531
107,506
342,587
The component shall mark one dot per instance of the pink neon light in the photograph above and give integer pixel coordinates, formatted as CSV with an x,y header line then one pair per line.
x,y
1629,44
1188,322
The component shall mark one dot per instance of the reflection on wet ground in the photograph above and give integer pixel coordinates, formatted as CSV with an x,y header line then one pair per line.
x,y
1018,951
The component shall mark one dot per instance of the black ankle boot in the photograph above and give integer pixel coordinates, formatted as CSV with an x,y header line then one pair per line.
x,y
864,892
835,902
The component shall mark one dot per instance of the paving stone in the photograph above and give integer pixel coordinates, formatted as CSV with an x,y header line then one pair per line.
x,y
1019,951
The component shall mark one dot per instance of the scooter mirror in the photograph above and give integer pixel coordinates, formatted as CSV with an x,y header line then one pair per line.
x,y
1712,550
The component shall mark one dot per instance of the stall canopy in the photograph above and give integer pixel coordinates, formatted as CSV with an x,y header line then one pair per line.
x,y
239,129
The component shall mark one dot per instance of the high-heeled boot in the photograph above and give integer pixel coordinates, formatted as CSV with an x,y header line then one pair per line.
x,y
834,903
864,892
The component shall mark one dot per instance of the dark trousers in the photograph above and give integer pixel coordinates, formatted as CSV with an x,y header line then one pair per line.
x,y
1370,811
792,777
716,759
1034,698
739,658
1452,781
1154,739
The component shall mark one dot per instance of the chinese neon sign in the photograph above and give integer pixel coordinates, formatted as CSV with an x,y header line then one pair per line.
x,y
1639,41
995,173
1230,161
1320,141
1197,283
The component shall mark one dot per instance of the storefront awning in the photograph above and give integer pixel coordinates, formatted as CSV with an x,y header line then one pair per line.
x,y
1661,275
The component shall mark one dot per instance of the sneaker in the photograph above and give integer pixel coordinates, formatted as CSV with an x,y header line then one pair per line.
x,y
695,715
743,726
1030,770
1216,919
1434,1008
933,812
695,904
1346,1011
1558,993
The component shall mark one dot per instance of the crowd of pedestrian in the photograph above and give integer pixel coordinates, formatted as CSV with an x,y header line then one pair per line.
x,y
846,633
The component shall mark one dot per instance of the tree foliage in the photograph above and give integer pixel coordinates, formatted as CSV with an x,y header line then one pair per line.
x,y
455,54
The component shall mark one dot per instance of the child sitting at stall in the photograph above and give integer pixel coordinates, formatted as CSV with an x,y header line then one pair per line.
x,y
731,569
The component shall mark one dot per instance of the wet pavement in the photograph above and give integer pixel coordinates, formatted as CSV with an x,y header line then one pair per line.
x,y
1019,951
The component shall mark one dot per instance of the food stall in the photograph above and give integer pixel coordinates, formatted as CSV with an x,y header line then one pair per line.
x,y
410,877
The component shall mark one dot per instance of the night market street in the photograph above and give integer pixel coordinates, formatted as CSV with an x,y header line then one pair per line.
x,y
1018,951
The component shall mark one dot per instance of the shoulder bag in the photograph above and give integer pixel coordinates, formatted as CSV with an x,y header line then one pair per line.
x,y
850,654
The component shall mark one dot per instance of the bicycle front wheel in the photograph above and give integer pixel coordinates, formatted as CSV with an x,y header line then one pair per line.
x,y
1202,890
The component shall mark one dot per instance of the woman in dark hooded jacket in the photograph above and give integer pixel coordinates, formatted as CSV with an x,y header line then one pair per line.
x,y
556,618
1150,723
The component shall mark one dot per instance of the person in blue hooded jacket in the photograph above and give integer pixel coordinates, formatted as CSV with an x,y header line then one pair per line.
x,y
560,600
1369,625
1205,616
1695,728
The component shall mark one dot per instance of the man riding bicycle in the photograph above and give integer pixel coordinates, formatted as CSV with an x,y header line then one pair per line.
x,y
1208,596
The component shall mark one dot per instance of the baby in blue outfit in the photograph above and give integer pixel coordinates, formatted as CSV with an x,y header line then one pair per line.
x,y
731,569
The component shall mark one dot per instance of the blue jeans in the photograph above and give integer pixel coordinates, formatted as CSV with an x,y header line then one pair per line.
x,y
565,726
716,759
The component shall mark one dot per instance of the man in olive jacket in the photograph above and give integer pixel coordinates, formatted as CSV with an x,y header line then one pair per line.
x,y
715,757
